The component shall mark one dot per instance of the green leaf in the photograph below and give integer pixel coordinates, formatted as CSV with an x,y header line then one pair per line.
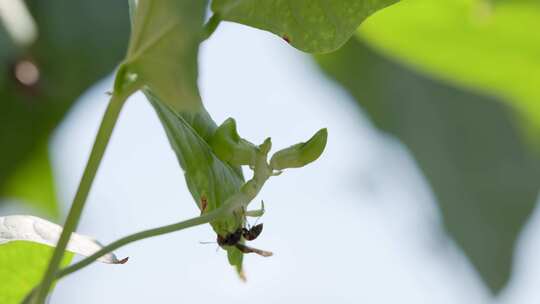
x,y
30,113
79,42
209,179
311,26
163,50
489,46
38,230
301,154
21,267
33,183
22,240
230,147
481,171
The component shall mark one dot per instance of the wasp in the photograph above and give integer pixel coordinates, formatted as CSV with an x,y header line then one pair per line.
x,y
233,239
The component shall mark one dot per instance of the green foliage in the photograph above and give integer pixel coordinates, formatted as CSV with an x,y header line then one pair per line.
x,y
482,173
29,114
162,56
33,183
163,50
70,56
230,147
22,266
311,26
490,46
168,34
215,181
209,179
301,154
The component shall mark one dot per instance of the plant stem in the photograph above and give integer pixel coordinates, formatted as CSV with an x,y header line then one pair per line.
x,y
211,26
132,9
238,200
102,139
200,220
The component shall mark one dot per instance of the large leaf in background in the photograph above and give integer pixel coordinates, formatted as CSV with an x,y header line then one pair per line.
x,y
493,46
206,175
78,43
482,174
311,26
33,183
163,49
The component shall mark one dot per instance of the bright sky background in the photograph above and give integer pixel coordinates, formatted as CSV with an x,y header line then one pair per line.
x,y
357,226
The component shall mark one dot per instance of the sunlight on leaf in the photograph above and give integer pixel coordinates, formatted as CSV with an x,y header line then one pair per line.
x,y
490,46
21,267
311,26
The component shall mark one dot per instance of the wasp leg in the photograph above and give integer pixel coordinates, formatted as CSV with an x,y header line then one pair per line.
x,y
247,249
256,213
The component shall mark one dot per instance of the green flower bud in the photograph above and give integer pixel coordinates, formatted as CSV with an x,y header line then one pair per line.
x,y
300,154
265,147
230,147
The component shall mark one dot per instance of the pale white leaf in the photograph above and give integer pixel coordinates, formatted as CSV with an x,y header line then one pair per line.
x,y
35,229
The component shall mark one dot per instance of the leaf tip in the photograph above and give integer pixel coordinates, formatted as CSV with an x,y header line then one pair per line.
x,y
123,261
286,38
242,276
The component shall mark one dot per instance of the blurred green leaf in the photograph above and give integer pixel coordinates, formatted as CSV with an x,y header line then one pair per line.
x,y
33,183
311,26
209,179
483,175
69,59
491,46
163,49
79,42
32,258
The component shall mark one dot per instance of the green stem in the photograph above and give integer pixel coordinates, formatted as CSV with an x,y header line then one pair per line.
x,y
132,10
200,220
236,201
211,26
100,144
239,200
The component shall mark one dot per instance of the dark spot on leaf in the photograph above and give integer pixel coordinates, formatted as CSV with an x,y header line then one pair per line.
x,y
286,38
204,203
